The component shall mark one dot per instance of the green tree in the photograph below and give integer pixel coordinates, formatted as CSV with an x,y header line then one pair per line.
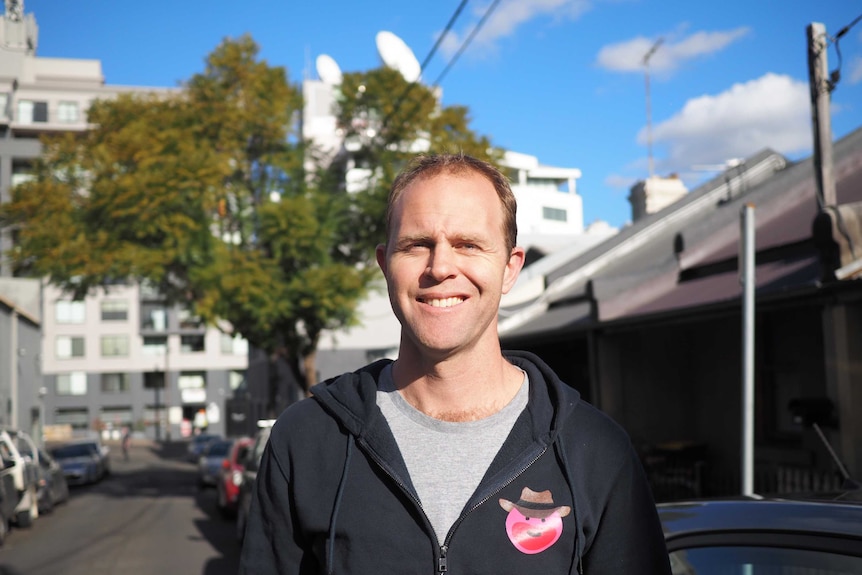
x,y
206,194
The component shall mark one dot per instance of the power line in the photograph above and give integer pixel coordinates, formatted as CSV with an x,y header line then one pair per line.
x,y
467,42
424,64
835,75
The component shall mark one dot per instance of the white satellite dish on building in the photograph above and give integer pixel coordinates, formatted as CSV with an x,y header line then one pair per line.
x,y
398,55
328,70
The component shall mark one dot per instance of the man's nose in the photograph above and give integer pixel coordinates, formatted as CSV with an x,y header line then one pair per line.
x,y
441,263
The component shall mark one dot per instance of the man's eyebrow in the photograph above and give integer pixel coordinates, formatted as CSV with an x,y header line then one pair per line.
x,y
403,240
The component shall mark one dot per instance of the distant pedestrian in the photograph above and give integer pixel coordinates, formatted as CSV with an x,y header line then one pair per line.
x,y
126,442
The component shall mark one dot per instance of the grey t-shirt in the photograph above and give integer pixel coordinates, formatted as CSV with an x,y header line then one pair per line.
x,y
446,460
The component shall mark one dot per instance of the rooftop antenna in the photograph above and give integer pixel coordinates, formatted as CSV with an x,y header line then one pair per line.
x,y
647,56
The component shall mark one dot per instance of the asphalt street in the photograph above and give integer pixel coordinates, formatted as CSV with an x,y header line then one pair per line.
x,y
149,517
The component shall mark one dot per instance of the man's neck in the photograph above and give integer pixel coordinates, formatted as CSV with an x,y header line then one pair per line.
x,y
457,388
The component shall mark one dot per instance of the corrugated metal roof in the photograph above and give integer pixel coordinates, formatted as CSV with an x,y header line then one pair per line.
x,y
685,256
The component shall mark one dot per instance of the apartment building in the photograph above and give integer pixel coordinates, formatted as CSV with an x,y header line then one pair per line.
x,y
123,358
119,358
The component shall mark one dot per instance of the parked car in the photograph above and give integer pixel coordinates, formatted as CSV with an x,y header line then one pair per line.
x,y
83,461
197,445
249,474
24,473
53,487
210,462
230,476
102,451
759,536
8,493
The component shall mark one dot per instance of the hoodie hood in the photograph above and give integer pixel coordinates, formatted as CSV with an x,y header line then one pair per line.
x,y
352,397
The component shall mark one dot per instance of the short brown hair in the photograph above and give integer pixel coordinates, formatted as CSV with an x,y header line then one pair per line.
x,y
428,166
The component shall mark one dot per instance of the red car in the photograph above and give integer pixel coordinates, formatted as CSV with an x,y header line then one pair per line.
x,y
230,476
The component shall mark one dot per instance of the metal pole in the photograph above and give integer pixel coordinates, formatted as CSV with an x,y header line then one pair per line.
x,y
646,59
158,413
821,122
747,255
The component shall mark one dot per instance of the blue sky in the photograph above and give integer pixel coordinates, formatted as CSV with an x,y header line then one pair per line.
x,y
559,79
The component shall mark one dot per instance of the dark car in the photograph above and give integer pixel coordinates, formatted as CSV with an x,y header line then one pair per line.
x,y
197,445
53,487
8,496
82,462
764,536
249,475
231,476
211,460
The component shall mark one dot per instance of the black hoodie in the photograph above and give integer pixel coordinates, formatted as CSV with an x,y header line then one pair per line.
x,y
565,494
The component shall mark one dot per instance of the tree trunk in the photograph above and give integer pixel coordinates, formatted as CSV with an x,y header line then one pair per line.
x,y
309,364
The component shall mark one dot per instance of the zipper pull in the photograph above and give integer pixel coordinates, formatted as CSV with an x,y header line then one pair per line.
x,y
442,565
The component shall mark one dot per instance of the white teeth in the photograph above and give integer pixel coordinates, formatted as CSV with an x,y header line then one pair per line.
x,y
446,302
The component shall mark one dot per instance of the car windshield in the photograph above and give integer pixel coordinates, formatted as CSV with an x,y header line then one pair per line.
x,y
74,450
204,438
219,448
722,560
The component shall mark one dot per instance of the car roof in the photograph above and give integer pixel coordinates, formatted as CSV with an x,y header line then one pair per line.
x,y
838,517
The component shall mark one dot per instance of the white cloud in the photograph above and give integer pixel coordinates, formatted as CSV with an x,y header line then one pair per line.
x,y
772,111
855,70
507,17
628,56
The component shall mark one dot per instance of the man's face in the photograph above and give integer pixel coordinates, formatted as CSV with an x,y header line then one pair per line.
x,y
446,263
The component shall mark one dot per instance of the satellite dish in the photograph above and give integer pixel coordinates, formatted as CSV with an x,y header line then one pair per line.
x,y
328,69
398,55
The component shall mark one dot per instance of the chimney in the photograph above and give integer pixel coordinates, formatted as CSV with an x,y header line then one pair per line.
x,y
655,193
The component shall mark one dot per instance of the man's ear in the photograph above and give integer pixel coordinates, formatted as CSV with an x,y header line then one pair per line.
x,y
380,252
513,268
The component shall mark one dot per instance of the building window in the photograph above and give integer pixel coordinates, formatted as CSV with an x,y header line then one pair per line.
x,y
115,345
74,383
154,317
192,380
236,379
155,414
69,311
154,380
191,343
189,321
233,345
115,310
155,345
555,214
69,346
116,417
77,417
67,112
31,112
115,382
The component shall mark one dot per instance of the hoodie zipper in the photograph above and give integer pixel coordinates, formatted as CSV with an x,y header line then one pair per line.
x,y
442,561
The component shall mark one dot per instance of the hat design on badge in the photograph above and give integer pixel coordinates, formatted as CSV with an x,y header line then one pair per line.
x,y
534,522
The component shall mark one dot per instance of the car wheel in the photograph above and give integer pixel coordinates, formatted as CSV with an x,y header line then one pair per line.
x,y
47,503
4,528
24,519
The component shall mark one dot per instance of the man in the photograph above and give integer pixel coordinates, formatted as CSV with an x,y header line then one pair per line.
x,y
456,457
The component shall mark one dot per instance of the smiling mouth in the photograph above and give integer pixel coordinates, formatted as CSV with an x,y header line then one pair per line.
x,y
442,302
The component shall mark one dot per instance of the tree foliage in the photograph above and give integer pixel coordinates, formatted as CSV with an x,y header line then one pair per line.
x,y
207,194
